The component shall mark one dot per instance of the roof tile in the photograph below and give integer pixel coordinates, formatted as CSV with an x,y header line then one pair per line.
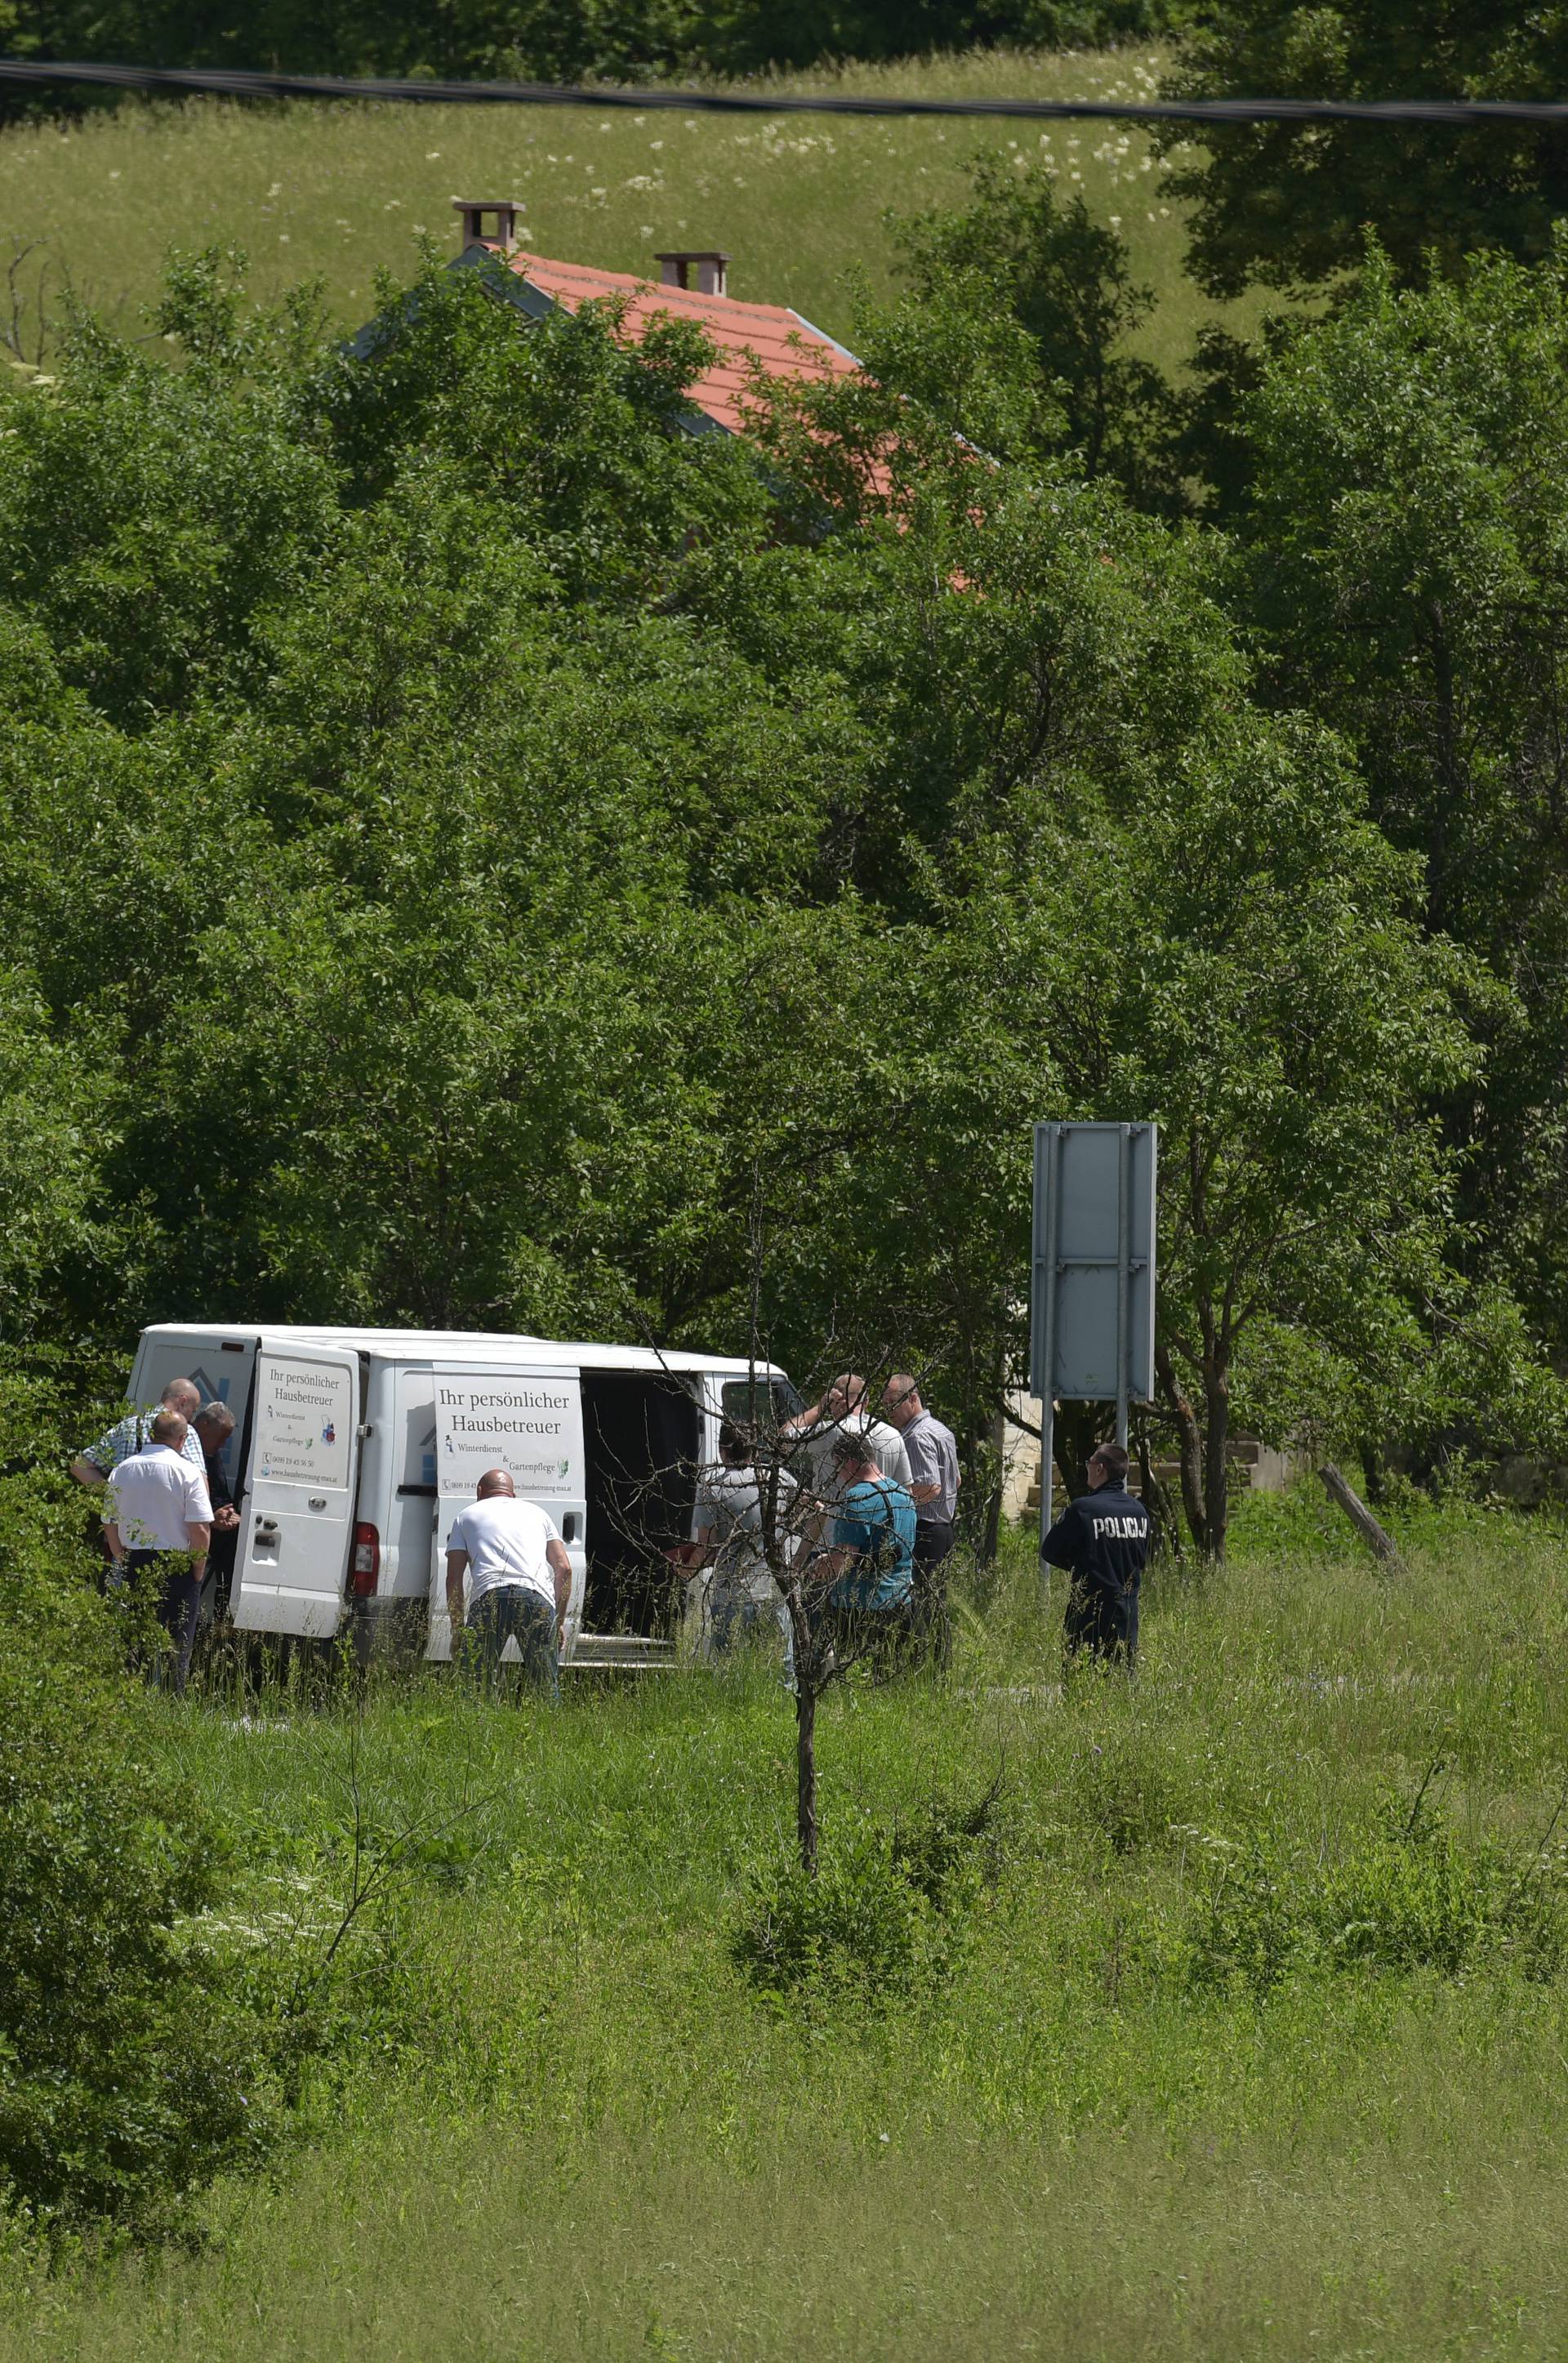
x,y
768,334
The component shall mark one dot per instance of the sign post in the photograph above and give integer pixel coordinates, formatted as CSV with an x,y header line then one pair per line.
x,y
1091,1301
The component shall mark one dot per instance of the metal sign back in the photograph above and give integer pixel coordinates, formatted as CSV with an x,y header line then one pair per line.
x,y
1092,1280
1093,1308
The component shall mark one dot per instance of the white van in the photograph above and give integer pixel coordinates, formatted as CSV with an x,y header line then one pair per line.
x,y
354,1449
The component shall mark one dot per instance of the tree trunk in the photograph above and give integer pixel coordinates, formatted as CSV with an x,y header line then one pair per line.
x,y
1190,1449
1080,1428
1359,1516
995,1464
1155,1496
1216,1471
806,1768
1372,1463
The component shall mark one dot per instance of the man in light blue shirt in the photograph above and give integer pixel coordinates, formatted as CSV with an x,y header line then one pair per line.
x,y
132,1434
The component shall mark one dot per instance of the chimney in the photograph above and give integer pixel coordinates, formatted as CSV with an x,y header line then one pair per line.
x,y
711,267
473,211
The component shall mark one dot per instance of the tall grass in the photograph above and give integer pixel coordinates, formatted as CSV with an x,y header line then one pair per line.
x,y
595,2137
342,190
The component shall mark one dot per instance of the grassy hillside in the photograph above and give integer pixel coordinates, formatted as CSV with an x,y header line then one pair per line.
x,y
799,201
1129,2119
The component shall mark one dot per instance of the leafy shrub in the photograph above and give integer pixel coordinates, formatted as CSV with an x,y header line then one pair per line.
x,y
1404,1898
130,2069
1126,1791
890,1912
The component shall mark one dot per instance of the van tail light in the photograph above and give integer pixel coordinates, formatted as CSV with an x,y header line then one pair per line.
x,y
365,1568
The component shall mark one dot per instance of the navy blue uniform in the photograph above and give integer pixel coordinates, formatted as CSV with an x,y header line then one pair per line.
x,y
1102,1540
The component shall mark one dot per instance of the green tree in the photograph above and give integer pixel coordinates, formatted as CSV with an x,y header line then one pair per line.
x,y
606,466
147,513
57,1118
1065,279
1246,967
1287,204
1115,888
1405,567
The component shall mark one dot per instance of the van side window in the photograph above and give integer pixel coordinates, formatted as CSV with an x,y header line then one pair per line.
x,y
744,1401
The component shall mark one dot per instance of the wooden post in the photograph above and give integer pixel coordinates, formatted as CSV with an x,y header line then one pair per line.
x,y
1359,1516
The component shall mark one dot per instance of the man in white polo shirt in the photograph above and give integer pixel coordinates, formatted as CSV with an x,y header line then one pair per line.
x,y
158,1517
519,1582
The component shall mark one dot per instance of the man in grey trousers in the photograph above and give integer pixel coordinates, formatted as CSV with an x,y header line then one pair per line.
x,y
935,1481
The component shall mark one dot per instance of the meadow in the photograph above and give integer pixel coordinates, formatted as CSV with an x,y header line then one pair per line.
x,y
344,190
1245,2034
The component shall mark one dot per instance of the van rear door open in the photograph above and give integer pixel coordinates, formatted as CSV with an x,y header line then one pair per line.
x,y
528,1421
297,1517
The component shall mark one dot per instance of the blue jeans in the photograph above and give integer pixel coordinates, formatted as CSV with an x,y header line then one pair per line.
x,y
512,1612
735,1618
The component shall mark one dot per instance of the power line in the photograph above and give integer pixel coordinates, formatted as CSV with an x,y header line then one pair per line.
x,y
215,82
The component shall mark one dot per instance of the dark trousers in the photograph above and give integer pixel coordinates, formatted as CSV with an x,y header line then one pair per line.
x,y
933,1543
1101,1622
178,1593
512,1612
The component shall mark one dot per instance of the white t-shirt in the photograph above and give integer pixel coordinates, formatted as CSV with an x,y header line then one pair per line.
x,y
884,1444
154,1496
729,1508
505,1540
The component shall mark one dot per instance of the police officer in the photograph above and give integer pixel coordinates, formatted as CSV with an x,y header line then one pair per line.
x,y
1102,1540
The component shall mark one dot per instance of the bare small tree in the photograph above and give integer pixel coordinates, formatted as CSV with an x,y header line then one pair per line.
x,y
798,1498
830,1630
25,329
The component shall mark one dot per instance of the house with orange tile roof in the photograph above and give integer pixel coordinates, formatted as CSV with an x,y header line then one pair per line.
x,y
746,336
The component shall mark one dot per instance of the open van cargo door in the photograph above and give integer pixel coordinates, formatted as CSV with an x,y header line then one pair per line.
x,y
297,1520
528,1421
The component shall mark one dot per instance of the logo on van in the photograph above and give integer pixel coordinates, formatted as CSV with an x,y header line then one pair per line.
x,y
330,1433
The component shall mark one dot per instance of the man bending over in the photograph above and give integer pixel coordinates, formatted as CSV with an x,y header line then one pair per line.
x,y
519,1584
